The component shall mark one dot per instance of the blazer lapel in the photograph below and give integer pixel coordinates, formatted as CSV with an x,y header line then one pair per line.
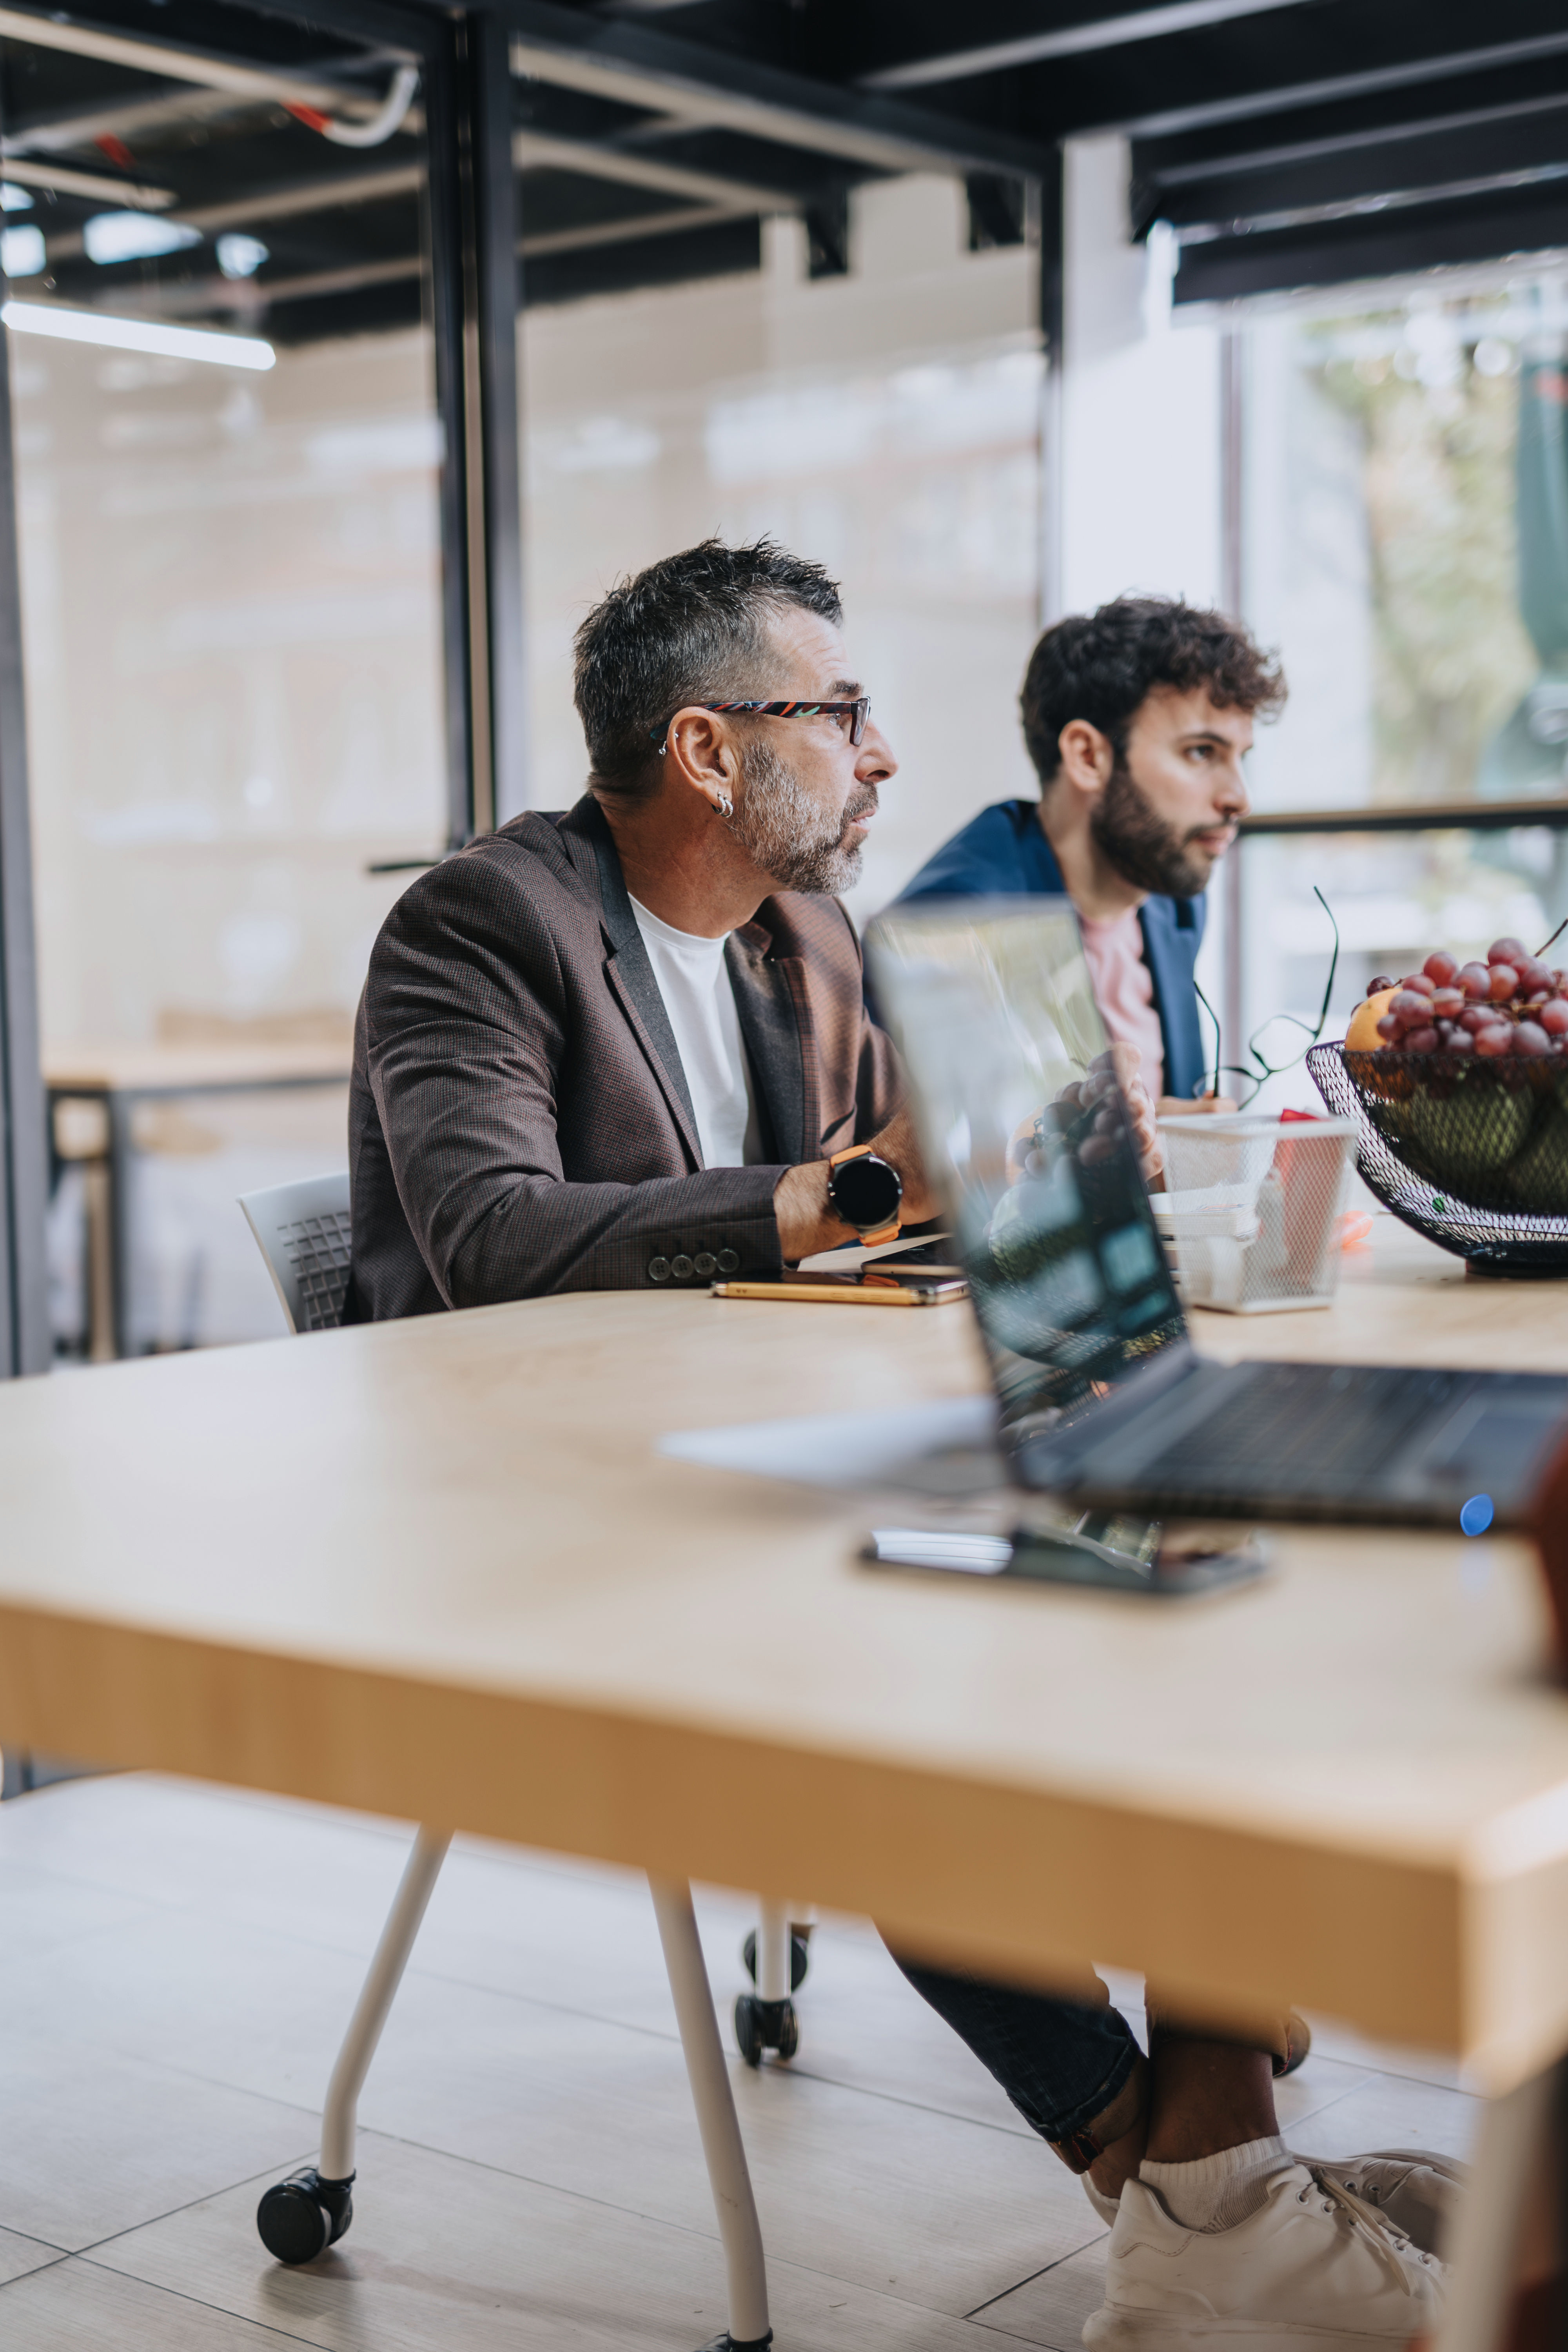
x,y
775,1021
628,971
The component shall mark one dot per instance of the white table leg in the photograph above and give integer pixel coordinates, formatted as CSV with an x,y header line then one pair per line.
x,y
716,2120
374,2006
774,1952
299,2218
1485,2253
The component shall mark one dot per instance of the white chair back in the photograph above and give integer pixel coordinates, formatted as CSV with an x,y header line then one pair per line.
x,y
302,1231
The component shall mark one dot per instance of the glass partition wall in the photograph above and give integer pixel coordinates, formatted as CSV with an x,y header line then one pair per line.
x,y
1403,470
227,455
858,371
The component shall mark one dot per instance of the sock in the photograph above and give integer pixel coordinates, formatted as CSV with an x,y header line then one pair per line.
x,y
1217,2191
1106,2206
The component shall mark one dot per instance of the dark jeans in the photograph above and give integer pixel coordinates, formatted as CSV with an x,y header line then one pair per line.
x,y
1061,2062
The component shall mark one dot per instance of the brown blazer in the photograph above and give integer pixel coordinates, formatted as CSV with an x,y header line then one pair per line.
x,y
519,1120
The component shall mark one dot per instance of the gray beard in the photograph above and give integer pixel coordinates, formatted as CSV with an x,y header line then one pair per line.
x,y
1144,850
786,830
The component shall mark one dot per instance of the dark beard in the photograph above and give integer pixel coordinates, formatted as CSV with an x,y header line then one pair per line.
x,y
1144,850
787,832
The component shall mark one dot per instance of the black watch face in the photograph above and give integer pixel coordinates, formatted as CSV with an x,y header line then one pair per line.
x,y
865,1191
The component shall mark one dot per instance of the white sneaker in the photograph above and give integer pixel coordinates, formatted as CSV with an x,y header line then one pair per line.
x,y
1415,2188
1314,2268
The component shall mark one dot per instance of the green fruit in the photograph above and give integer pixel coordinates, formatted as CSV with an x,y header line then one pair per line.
x,y
1459,1131
1538,1178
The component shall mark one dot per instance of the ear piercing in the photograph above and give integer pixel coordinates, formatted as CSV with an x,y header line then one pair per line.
x,y
723,803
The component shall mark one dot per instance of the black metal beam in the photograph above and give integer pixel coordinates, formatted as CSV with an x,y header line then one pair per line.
x,y
494,200
1376,244
723,249
1386,72
1097,31
623,58
473,244
1494,148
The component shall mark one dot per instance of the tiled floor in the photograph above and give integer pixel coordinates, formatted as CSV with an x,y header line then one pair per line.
x,y
177,1963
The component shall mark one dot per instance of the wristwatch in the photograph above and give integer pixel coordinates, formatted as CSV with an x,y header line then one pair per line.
x,y
866,1191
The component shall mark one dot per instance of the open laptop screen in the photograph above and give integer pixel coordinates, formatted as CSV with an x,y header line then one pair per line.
x,y
990,1004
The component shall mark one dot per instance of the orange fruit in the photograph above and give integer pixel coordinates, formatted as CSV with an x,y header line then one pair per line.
x,y
1362,1036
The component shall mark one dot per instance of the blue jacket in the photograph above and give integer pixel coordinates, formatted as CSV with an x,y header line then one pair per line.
x,y
1003,851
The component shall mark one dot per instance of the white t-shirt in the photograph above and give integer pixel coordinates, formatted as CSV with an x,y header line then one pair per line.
x,y
694,982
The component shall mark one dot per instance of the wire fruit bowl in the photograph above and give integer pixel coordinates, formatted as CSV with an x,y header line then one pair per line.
x,y
1473,1153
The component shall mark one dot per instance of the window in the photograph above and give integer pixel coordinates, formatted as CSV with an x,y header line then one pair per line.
x,y
1405,545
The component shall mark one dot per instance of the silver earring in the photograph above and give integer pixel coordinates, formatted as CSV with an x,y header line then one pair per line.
x,y
723,803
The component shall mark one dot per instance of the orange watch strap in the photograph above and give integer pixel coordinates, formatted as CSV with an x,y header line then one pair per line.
x,y
855,1151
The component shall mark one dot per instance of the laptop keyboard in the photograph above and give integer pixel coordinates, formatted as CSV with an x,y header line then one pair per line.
x,y
1326,1426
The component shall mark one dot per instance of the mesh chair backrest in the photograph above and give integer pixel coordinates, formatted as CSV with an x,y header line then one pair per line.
x,y
302,1231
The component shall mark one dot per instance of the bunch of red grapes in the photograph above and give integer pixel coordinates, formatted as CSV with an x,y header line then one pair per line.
x,y
1513,1004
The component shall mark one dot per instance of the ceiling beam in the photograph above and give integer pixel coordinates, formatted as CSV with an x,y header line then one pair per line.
x,y
575,240
1458,64
61,134
277,204
1371,206
185,64
133,196
1225,166
621,61
536,149
1072,41
249,297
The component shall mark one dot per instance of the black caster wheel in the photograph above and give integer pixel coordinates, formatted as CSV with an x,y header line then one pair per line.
x,y
749,2030
761,2025
799,1958
728,2342
299,2218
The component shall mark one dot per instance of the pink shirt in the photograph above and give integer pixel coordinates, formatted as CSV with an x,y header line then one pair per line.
x,y
1124,990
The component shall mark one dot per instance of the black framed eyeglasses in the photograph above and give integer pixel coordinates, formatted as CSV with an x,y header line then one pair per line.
x,y
857,712
1260,1067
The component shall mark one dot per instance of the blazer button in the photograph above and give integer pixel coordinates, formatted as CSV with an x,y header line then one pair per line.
x,y
681,1268
658,1269
704,1263
728,1262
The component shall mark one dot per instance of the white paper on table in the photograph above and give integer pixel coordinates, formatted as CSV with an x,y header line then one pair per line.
x,y
944,1448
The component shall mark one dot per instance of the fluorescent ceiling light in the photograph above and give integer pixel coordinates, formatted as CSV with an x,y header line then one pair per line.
x,y
22,253
138,335
135,236
14,199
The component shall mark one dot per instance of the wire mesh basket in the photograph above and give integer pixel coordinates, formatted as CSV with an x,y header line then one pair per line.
x,y
1253,1209
1474,1154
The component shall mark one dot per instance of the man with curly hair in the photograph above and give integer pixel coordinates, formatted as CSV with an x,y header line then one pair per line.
x,y
1137,717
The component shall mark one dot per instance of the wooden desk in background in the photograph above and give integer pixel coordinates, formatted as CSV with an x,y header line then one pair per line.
x,y
435,1570
94,1092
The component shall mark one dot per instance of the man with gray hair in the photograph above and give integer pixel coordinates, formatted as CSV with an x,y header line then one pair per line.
x,y
627,1046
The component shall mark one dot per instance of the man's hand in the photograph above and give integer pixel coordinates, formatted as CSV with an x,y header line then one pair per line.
x,y
806,1217
1121,1064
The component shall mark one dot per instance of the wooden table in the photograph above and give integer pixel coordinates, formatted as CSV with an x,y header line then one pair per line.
x,y
111,1079
433,1570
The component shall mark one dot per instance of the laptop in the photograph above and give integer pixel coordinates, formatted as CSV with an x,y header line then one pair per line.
x,y
1104,1400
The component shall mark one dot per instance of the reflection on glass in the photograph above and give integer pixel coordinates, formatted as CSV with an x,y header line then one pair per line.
x,y
993,1012
226,450
887,424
